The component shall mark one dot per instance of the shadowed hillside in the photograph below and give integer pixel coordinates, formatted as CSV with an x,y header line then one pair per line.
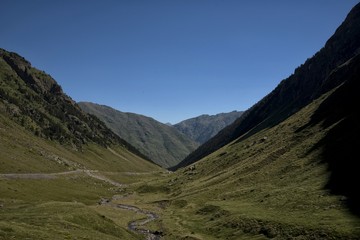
x,y
204,127
307,83
162,143
339,113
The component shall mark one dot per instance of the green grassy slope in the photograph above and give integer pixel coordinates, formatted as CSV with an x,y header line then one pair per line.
x,y
272,184
163,144
22,152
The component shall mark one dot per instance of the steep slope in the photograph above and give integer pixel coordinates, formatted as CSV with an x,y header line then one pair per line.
x,y
308,82
162,143
278,182
204,127
33,100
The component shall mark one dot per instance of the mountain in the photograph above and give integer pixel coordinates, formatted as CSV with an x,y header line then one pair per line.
x,y
162,143
204,127
35,101
308,82
288,168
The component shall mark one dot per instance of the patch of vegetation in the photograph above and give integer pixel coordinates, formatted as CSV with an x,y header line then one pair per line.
x,y
181,203
208,209
153,189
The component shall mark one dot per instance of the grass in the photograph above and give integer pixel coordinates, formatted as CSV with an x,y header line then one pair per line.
x,y
269,185
66,207
58,220
58,208
22,152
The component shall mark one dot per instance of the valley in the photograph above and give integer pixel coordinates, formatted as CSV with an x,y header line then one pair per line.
x,y
284,169
269,186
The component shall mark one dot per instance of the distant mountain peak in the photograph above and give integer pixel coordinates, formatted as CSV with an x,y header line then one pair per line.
x,y
205,126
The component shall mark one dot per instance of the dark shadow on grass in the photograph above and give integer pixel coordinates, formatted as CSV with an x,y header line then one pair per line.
x,y
341,145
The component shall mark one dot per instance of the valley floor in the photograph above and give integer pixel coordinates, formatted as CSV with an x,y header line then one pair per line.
x,y
137,205
67,205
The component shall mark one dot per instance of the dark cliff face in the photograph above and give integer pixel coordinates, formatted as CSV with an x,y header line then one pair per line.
x,y
308,82
36,101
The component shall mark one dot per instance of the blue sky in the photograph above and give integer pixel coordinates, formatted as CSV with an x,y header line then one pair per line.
x,y
171,59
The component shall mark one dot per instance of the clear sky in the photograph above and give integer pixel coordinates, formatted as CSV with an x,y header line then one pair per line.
x,y
171,59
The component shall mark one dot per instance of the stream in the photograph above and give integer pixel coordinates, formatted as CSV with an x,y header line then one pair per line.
x,y
137,225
